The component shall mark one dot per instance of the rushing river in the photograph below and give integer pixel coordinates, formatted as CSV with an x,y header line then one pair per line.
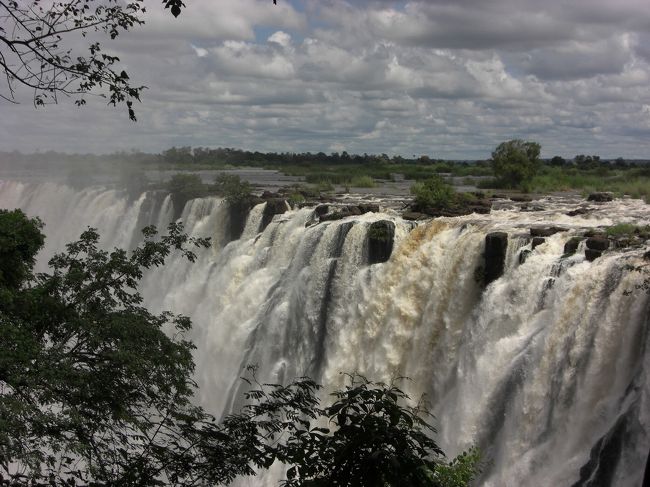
x,y
545,369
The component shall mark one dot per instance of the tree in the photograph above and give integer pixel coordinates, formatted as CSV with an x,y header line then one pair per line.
x,y
374,440
515,162
41,49
93,391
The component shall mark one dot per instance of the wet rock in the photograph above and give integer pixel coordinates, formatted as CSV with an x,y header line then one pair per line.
x,y
267,195
523,255
237,215
544,231
273,207
532,208
538,241
499,196
413,215
623,242
381,235
368,207
481,207
496,245
321,210
578,211
521,198
598,243
600,197
571,245
592,254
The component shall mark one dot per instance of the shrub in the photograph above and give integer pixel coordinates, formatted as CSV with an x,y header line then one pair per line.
x,y
296,198
362,182
231,187
433,192
184,187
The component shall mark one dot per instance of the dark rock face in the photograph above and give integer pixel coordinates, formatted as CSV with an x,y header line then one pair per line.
x,y
600,197
521,198
321,210
523,255
578,211
273,207
598,243
591,254
349,210
413,215
368,207
545,231
381,236
266,195
606,454
571,245
531,208
237,215
538,241
496,245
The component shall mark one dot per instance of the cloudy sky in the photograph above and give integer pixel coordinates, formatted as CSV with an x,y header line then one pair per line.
x,y
447,78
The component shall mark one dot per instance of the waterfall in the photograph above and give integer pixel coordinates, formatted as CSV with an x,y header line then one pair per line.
x,y
545,369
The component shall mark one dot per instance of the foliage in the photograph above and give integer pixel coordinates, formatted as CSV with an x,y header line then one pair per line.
x,y
296,199
39,35
362,182
515,162
92,388
44,55
184,187
433,192
20,240
323,186
628,229
231,187
460,471
371,438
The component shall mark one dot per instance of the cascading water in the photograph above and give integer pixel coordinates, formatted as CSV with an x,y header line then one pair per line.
x,y
545,369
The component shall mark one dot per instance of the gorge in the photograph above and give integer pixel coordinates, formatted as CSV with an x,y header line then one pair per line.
x,y
542,363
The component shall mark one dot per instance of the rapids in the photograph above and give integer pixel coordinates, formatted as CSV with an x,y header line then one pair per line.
x,y
545,369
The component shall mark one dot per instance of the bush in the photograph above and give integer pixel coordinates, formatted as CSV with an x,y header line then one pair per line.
x,y
433,192
184,187
362,182
296,199
232,188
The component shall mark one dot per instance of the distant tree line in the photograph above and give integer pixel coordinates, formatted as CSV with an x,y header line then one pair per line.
x,y
204,156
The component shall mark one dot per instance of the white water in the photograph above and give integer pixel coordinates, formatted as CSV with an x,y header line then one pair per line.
x,y
534,369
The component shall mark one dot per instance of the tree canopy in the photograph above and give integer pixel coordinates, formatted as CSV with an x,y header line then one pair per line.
x,y
96,390
515,162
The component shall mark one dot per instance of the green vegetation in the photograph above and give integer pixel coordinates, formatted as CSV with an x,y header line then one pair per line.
x,y
94,392
634,182
184,187
362,182
583,173
434,193
374,441
515,163
296,199
628,230
232,188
